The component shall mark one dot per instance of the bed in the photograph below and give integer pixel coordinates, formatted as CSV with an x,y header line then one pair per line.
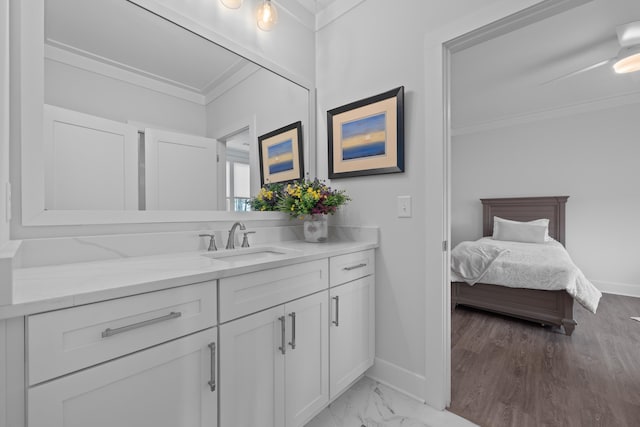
x,y
546,307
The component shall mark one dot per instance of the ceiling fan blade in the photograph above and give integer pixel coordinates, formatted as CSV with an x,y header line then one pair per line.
x,y
629,34
580,71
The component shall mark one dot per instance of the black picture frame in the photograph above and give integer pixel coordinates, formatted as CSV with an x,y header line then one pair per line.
x,y
366,137
281,155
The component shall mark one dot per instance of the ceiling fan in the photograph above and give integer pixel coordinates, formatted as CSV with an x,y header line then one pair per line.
x,y
628,58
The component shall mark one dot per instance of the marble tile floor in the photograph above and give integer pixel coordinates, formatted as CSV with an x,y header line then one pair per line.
x,y
370,404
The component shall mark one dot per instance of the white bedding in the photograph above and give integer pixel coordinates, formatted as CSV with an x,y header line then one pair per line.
x,y
546,266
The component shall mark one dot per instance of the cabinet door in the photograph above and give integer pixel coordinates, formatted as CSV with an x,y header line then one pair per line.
x,y
167,385
351,332
252,373
307,358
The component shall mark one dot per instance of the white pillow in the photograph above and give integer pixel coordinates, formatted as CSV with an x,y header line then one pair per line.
x,y
536,231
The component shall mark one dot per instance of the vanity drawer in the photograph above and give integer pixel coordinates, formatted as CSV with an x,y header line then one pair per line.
x,y
348,267
249,293
67,340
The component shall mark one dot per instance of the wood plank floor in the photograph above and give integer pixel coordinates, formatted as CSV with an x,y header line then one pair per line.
x,y
507,372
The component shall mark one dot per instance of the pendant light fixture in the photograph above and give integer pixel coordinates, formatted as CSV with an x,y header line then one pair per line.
x,y
232,4
267,15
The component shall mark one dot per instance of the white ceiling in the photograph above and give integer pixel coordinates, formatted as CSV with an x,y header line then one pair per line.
x,y
504,78
315,6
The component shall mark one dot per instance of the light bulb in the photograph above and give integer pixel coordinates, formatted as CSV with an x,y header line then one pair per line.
x,y
267,15
628,60
232,4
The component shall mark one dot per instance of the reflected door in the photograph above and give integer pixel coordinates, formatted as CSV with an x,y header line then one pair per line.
x,y
90,162
180,171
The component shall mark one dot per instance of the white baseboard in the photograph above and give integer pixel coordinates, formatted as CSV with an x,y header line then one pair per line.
x,y
398,378
625,289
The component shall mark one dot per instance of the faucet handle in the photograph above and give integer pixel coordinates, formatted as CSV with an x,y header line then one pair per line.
x,y
212,242
245,239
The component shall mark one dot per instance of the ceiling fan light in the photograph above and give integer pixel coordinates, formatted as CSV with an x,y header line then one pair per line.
x,y
628,60
232,4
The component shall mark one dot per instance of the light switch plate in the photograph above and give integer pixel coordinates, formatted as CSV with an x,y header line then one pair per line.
x,y
404,206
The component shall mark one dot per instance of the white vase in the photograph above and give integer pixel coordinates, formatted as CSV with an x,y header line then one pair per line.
x,y
316,229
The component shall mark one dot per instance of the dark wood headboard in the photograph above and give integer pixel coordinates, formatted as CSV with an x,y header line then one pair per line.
x,y
526,209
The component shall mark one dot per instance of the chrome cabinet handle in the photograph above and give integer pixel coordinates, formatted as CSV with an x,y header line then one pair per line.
x,y
212,378
283,346
110,332
337,321
293,330
353,267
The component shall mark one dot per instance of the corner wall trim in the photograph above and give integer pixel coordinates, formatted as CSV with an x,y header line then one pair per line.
x,y
398,378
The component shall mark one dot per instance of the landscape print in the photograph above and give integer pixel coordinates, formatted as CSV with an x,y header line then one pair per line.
x,y
280,157
365,137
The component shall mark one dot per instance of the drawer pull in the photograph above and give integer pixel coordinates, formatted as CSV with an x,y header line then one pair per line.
x,y
337,321
212,378
283,346
110,332
353,267
292,343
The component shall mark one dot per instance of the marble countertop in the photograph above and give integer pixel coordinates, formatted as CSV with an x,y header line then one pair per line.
x,y
38,289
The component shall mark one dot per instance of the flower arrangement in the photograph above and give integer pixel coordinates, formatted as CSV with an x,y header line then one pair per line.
x,y
299,199
311,198
268,198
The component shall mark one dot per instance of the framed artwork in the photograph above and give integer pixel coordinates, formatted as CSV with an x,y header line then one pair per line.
x,y
281,154
366,137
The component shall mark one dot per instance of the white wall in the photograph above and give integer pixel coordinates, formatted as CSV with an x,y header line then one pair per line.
x,y
591,157
375,47
273,101
81,90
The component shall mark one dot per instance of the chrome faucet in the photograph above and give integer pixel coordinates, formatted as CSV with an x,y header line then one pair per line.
x,y
231,242
212,242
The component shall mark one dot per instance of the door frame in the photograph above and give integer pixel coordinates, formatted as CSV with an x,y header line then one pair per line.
x,y
492,21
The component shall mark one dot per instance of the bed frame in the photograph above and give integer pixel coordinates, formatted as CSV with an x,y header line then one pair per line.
x,y
544,307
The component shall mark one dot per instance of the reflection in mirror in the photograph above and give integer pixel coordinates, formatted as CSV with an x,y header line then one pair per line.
x,y
143,114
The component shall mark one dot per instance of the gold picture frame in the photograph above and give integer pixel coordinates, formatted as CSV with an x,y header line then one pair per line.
x,y
281,157
366,137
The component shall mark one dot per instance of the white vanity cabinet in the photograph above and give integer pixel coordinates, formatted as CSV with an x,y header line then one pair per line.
x,y
163,386
352,321
144,360
274,363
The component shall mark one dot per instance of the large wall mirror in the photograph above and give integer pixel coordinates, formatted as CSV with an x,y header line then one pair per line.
x,y
142,119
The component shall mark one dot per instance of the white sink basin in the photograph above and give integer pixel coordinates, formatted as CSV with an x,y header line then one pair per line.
x,y
248,254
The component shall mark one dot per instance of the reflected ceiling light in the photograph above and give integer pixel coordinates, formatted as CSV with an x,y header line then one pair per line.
x,y
232,4
628,60
267,15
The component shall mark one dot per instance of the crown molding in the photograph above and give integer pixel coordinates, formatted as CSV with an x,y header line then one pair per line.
x,y
300,11
334,11
86,61
230,82
551,113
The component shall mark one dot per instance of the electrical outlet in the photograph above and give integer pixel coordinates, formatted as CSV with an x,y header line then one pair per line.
x,y
404,206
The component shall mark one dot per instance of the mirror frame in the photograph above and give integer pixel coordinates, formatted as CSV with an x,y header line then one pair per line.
x,y
31,88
